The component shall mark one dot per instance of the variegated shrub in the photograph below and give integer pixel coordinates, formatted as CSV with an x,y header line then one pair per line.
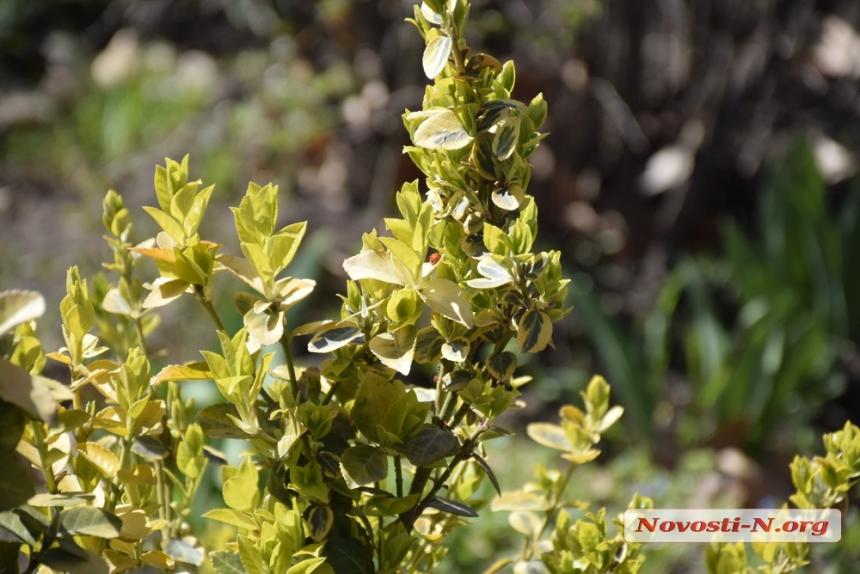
x,y
361,461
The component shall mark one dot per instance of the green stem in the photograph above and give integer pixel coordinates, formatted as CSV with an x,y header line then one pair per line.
x,y
163,502
330,394
455,49
552,511
398,475
440,390
460,415
448,406
207,304
288,356
116,492
141,339
422,475
42,447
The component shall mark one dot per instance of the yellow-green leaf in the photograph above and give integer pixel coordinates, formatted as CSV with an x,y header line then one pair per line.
x,y
240,486
550,435
534,331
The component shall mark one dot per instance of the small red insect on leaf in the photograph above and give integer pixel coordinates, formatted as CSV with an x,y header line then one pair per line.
x,y
435,257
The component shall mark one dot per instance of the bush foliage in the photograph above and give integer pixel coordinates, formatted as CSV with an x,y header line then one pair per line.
x,y
366,461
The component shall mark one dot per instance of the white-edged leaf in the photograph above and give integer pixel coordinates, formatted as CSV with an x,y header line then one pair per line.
x,y
436,55
18,307
456,350
505,138
264,325
242,268
431,16
610,418
373,264
446,298
164,291
396,350
442,130
506,200
291,290
494,274
115,303
335,337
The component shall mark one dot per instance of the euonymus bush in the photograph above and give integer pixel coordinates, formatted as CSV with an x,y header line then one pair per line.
x,y
366,460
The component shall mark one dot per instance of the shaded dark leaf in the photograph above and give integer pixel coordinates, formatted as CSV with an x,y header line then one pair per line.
x,y
490,474
348,556
16,484
149,448
452,507
430,444
91,521
215,423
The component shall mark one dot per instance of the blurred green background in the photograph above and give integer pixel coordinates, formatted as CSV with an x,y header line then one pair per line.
x,y
700,179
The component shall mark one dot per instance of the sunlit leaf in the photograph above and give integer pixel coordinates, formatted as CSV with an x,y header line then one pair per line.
x,y
502,365
102,458
240,486
375,264
436,55
164,292
506,137
91,521
396,349
550,435
18,307
505,199
534,331
456,350
524,522
232,517
447,299
157,559
196,371
264,325
520,501
334,337
442,130
226,562
70,499
185,550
